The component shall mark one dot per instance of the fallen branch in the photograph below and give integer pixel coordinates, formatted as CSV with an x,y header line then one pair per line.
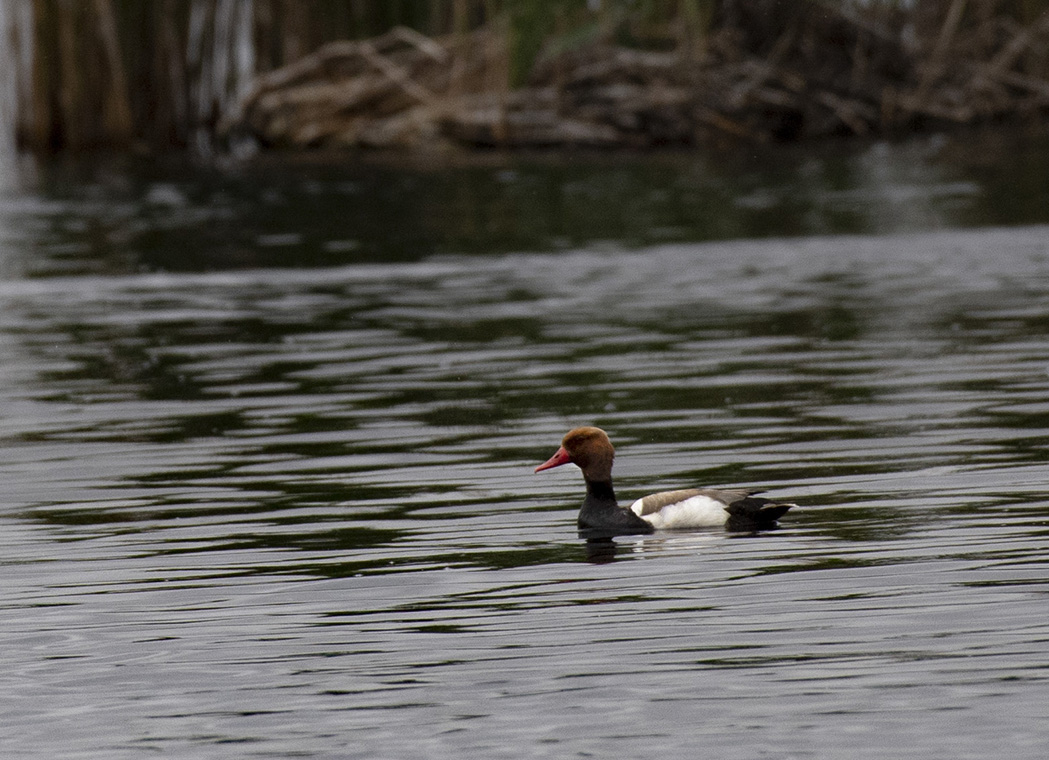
x,y
825,74
395,74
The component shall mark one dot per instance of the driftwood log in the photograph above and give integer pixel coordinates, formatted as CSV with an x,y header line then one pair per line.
x,y
835,72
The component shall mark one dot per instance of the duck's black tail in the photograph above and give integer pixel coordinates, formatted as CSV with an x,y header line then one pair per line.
x,y
755,513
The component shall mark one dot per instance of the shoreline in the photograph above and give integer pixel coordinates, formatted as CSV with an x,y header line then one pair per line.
x,y
831,78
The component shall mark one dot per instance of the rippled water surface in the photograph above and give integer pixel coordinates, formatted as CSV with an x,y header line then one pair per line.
x,y
267,439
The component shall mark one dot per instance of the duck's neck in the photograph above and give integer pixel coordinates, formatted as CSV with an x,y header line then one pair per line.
x,y
602,515
599,493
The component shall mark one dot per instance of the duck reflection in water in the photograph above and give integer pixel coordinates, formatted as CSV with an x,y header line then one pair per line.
x,y
602,548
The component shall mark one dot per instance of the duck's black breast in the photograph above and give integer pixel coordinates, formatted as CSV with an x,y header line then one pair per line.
x,y
601,514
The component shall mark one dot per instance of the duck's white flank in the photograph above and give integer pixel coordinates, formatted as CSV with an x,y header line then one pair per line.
x,y
694,512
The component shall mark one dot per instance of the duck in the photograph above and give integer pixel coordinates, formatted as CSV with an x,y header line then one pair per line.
x,y
590,449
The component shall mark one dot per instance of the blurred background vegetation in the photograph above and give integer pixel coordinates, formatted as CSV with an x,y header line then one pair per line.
x,y
125,72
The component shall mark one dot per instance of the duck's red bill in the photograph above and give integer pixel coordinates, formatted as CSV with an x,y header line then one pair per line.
x,y
558,459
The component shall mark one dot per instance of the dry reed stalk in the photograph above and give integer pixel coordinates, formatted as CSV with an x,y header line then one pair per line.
x,y
117,108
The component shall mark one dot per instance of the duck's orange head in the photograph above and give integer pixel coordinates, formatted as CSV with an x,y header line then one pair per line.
x,y
587,447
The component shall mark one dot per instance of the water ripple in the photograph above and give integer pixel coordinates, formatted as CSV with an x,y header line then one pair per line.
x,y
291,512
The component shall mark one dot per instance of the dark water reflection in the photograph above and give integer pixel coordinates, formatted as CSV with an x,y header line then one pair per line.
x,y
288,511
130,215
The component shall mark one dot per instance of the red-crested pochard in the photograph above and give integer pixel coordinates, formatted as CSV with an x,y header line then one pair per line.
x,y
590,449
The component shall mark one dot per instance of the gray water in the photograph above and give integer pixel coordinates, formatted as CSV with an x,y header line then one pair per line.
x,y
267,438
